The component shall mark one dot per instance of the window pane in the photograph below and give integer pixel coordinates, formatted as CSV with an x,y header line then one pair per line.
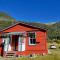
x,y
34,41
32,38
31,35
30,41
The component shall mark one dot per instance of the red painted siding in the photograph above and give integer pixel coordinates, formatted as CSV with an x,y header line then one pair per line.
x,y
39,48
19,28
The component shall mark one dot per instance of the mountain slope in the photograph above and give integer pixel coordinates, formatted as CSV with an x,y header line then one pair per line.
x,y
53,29
6,20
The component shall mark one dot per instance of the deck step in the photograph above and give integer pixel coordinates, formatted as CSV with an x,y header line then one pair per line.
x,y
10,54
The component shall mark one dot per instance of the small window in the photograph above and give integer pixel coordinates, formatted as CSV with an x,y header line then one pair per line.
x,y
32,38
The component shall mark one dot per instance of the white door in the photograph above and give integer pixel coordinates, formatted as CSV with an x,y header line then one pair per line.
x,y
21,44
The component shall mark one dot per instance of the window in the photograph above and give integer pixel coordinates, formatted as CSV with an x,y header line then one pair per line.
x,y
32,38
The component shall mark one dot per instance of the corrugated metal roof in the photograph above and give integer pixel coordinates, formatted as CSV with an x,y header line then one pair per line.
x,y
28,24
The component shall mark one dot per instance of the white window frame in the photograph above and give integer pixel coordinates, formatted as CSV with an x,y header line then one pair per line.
x,y
29,38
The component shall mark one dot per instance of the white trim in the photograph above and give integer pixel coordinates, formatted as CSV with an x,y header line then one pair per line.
x,y
6,44
15,33
21,45
29,38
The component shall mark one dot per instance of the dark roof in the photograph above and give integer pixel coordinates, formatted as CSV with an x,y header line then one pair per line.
x,y
26,23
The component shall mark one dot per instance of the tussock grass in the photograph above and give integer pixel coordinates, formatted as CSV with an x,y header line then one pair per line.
x,y
48,57
54,56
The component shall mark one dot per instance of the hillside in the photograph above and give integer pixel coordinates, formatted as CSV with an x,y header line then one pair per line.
x,y
53,29
6,20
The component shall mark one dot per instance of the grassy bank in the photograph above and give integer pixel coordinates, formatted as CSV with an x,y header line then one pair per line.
x,y
54,56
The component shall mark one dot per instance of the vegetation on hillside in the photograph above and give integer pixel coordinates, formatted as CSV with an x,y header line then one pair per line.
x,y
53,29
6,20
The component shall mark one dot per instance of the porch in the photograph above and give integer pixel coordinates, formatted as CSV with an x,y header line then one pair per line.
x,y
14,41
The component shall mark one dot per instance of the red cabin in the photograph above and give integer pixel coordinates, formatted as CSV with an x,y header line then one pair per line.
x,y
22,39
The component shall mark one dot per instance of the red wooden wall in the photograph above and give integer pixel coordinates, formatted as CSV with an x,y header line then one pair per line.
x,y
40,37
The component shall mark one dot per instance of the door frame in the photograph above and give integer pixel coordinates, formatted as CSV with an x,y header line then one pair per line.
x,y
21,44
